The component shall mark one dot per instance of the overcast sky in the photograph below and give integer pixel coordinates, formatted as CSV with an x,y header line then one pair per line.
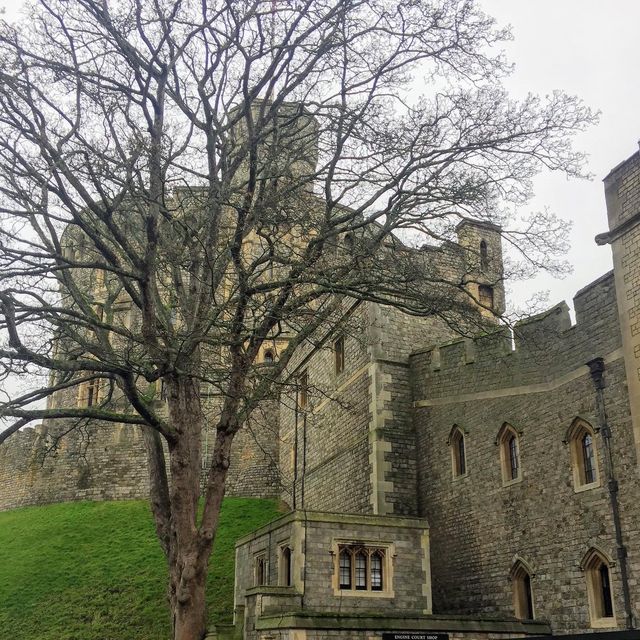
x,y
588,48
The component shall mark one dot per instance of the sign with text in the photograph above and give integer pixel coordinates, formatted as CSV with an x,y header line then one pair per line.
x,y
415,635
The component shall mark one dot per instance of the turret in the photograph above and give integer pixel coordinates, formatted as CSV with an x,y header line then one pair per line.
x,y
482,242
286,138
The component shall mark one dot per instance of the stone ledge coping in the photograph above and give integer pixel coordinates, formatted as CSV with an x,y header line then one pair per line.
x,y
396,522
385,622
272,590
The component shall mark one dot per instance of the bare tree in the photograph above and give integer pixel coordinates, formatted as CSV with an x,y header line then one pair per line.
x,y
181,181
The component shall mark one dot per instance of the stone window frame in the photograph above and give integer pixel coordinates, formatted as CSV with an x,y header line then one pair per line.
x,y
594,560
521,576
484,255
486,296
503,441
387,550
302,388
260,569
577,431
285,565
339,355
90,393
457,437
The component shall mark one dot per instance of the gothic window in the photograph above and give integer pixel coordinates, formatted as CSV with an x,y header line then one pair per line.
x,y
484,255
376,571
598,574
584,460
458,452
268,357
361,568
345,569
303,389
485,296
509,444
338,353
260,570
522,593
89,393
284,566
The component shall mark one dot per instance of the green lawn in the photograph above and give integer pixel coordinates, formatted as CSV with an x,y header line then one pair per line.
x,y
94,570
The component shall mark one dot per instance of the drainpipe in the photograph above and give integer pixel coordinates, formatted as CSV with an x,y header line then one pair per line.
x,y
596,369
295,450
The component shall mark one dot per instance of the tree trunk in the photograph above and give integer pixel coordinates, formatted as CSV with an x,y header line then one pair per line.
x,y
189,545
188,565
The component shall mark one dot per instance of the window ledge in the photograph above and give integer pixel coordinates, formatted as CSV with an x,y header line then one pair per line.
x,y
587,487
364,593
462,476
603,623
508,483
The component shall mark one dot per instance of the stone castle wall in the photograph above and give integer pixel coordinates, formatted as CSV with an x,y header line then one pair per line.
x,y
324,454
481,526
90,463
108,462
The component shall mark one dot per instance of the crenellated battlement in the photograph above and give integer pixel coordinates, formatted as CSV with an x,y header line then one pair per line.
x,y
538,349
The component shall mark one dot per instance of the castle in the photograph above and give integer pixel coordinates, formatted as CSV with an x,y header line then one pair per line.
x,y
481,488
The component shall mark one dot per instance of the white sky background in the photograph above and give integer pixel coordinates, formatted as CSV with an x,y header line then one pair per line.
x,y
588,48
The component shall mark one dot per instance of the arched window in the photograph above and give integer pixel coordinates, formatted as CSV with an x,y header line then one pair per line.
x,y
260,570
584,459
509,444
484,255
522,593
485,296
284,567
268,356
458,452
597,570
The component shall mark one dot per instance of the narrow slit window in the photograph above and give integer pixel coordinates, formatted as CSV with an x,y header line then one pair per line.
x,y
303,390
338,353
458,452
484,255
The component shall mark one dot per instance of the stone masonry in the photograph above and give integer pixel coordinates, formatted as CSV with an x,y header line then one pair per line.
x,y
364,452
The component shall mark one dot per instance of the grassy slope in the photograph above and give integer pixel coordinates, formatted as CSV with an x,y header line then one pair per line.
x,y
94,570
